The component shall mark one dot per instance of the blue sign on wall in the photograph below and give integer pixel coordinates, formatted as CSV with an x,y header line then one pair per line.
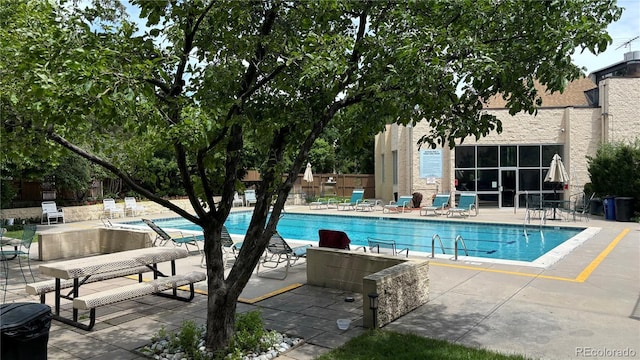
x,y
431,163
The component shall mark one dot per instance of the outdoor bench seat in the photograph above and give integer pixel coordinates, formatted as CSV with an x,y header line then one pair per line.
x,y
111,296
46,286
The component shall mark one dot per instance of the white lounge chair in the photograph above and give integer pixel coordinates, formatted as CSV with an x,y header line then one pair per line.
x,y
250,197
237,200
110,209
51,211
132,207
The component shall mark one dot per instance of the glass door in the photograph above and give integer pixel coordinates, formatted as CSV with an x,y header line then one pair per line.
x,y
508,187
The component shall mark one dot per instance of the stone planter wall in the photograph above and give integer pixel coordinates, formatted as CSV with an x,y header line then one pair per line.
x,y
402,284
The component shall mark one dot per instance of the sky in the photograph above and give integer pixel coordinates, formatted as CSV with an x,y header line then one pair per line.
x,y
625,29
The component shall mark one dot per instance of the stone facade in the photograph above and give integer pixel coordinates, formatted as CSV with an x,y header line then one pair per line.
x,y
579,128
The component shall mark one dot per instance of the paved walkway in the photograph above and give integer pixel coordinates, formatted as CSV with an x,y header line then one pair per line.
x,y
583,306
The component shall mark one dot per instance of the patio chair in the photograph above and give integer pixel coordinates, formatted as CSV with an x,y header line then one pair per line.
x,y
465,205
279,252
377,244
352,203
336,240
23,248
51,211
404,203
237,200
110,209
440,202
534,207
250,197
132,207
163,238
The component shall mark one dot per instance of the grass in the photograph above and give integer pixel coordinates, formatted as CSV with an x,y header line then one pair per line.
x,y
398,346
17,234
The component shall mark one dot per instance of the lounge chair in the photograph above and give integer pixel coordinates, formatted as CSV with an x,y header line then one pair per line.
x,y
352,203
279,252
237,200
440,202
21,248
228,247
51,212
376,244
163,238
404,203
335,239
132,207
250,197
321,203
467,203
110,209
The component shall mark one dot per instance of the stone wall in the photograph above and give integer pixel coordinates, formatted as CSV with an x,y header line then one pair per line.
x,y
402,284
91,212
67,244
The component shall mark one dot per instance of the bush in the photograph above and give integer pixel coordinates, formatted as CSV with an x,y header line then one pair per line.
x,y
615,170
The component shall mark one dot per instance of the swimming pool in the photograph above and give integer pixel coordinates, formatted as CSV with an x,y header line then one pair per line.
x,y
490,241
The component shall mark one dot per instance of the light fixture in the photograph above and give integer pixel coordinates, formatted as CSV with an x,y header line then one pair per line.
x,y
373,305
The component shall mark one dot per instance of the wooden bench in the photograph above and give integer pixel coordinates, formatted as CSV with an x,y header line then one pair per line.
x,y
154,287
388,244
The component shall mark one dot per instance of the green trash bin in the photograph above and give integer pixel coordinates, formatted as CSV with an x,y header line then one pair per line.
x,y
25,331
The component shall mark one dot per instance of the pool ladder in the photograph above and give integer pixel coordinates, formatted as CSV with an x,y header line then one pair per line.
x,y
459,239
433,242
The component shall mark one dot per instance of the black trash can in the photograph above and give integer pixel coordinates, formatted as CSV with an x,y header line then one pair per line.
x,y
609,208
595,206
25,331
624,208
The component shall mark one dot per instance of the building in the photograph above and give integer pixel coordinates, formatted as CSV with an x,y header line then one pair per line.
x,y
502,168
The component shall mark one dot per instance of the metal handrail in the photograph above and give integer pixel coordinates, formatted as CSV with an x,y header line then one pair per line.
x,y
461,240
433,241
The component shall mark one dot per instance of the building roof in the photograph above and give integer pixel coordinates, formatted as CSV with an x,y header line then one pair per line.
x,y
573,95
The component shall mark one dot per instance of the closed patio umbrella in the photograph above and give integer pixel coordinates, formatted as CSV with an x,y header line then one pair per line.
x,y
308,175
557,173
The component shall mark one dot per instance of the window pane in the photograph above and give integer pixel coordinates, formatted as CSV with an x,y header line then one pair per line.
x,y
508,156
487,200
487,180
529,180
466,180
529,156
548,151
465,157
487,156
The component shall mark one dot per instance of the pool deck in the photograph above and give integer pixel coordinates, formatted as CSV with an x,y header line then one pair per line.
x,y
585,305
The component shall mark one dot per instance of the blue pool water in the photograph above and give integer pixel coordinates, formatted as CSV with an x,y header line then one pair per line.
x,y
496,241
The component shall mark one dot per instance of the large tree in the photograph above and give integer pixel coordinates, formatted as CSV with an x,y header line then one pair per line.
x,y
204,78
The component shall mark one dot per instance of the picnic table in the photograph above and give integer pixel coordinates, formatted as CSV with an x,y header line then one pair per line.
x,y
84,270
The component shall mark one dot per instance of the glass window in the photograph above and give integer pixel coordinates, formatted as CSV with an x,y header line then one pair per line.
x,y
487,156
465,157
529,179
529,156
466,180
487,200
394,155
508,156
548,151
487,180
